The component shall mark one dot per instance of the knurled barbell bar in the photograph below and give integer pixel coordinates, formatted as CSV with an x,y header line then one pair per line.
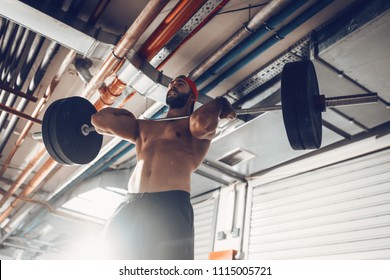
x,y
70,138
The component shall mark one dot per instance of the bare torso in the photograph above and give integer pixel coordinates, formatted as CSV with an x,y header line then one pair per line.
x,y
167,154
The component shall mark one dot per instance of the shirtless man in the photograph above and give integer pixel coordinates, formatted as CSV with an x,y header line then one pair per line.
x,y
156,219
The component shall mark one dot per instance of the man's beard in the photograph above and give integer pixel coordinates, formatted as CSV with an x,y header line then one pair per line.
x,y
177,102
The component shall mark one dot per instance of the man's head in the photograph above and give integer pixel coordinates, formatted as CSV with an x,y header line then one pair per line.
x,y
180,91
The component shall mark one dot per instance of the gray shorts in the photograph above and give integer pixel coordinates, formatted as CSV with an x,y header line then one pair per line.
x,y
152,226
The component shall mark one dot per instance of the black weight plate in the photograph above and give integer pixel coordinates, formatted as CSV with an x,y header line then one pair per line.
x,y
302,117
53,133
47,123
70,144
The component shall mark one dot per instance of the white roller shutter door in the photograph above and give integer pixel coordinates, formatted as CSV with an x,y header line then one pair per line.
x,y
336,212
205,213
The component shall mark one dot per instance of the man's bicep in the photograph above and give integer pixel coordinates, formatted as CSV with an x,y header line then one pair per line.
x,y
202,128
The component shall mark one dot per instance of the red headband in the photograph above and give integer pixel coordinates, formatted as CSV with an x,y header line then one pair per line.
x,y
192,86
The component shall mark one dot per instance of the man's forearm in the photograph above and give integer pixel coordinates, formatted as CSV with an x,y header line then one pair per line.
x,y
213,108
116,122
204,121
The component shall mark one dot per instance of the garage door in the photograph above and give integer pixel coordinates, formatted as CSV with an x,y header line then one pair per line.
x,y
205,213
336,212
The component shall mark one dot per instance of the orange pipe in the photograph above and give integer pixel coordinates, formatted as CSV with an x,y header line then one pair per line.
x,y
109,93
19,114
199,27
175,20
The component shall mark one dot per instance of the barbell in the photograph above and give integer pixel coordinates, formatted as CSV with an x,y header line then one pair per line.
x,y
70,138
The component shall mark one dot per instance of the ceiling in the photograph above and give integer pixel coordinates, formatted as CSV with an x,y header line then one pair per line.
x,y
56,49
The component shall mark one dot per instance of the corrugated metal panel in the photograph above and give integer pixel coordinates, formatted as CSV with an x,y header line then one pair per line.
x,y
337,212
205,213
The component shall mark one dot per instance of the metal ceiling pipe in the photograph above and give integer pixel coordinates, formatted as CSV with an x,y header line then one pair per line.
x,y
259,19
18,93
25,61
148,14
8,71
24,247
37,78
3,25
279,35
13,56
179,15
38,109
6,49
17,65
268,26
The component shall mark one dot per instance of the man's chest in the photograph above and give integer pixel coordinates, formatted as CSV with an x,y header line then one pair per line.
x,y
167,130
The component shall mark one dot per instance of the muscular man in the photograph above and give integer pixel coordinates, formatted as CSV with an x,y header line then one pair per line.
x,y
156,219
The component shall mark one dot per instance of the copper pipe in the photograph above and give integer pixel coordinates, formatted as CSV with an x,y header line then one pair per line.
x,y
38,109
182,12
109,93
23,176
199,27
19,114
18,93
148,14
50,208
32,185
